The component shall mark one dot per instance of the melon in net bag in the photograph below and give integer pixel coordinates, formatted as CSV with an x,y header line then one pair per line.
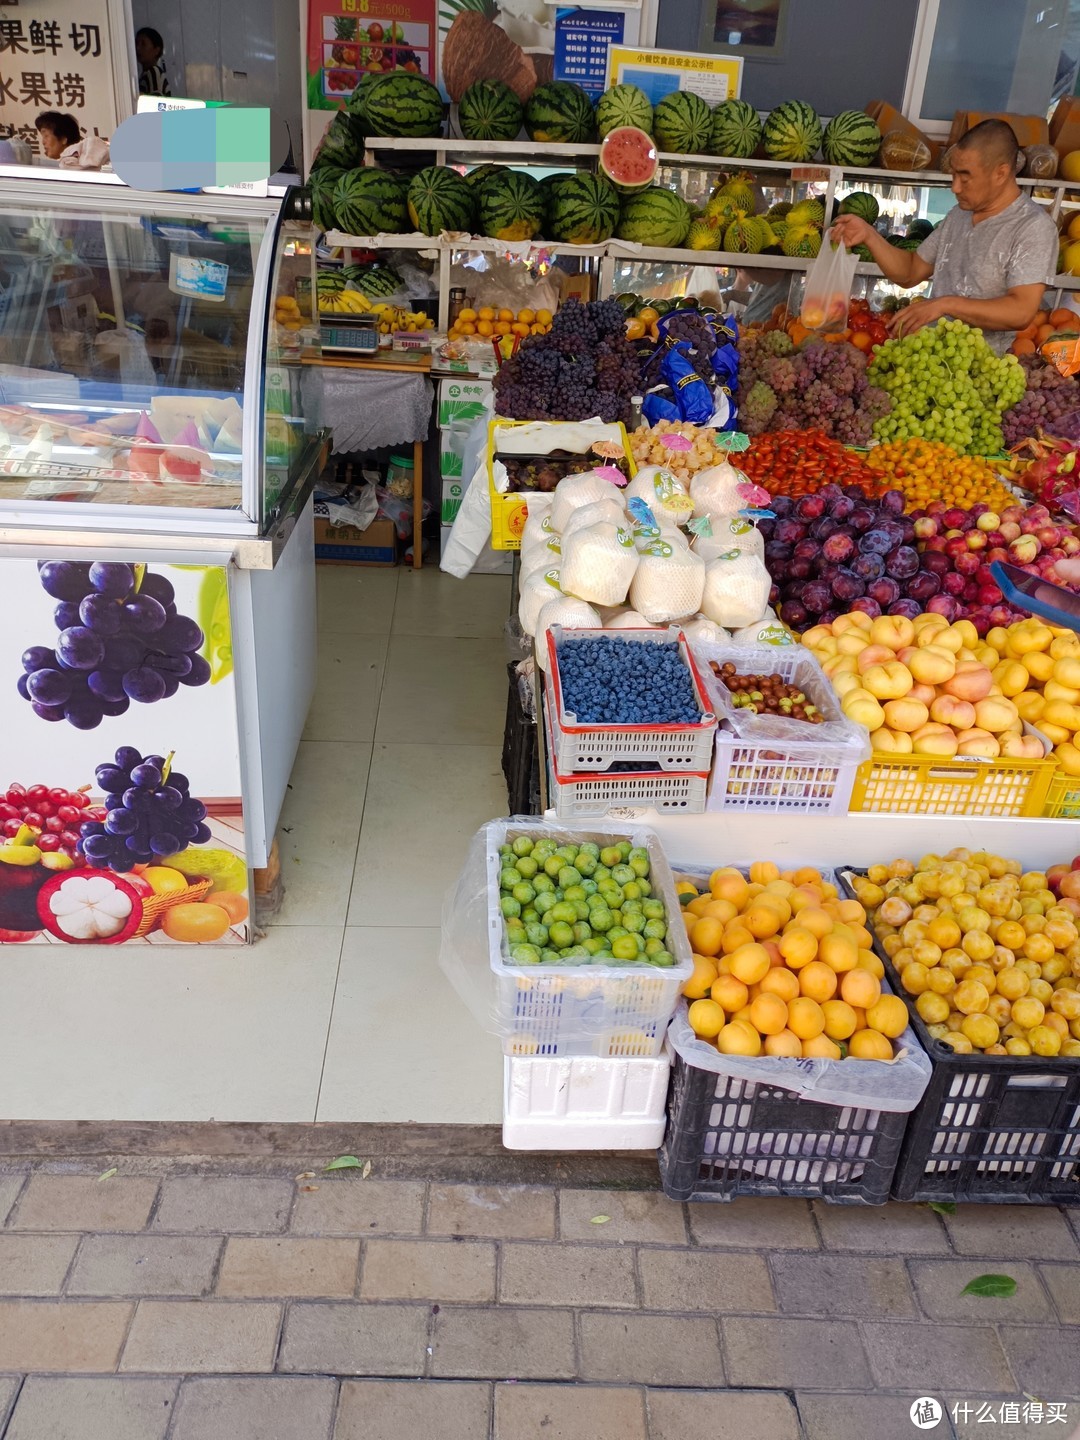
x,y
716,491
668,584
730,532
626,620
575,491
664,493
703,631
570,613
536,590
737,589
598,563
608,509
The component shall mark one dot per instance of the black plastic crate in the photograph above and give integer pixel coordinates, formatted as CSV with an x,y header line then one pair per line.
x,y
776,1143
520,757
999,1129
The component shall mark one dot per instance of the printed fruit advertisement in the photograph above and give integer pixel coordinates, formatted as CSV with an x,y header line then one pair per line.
x,y
347,38
121,818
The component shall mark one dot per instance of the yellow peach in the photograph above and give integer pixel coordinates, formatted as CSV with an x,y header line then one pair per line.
x,y
905,715
1022,747
932,665
948,710
890,681
891,742
995,714
874,655
935,739
987,747
1067,669
895,631
862,707
971,681
1012,677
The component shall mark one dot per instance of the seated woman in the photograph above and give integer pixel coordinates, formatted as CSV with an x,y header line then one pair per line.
x,y
63,141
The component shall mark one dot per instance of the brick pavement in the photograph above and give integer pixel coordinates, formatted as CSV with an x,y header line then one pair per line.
x,y
164,1305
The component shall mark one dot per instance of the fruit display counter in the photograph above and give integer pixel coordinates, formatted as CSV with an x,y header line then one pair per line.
x,y
157,566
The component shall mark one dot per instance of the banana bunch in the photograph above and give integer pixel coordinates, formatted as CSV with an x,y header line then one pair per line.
x,y
394,317
343,302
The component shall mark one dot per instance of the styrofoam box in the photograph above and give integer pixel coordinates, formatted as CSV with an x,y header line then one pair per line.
x,y
584,1103
461,402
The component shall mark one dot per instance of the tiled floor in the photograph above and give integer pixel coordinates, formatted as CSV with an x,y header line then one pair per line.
x,y
341,1012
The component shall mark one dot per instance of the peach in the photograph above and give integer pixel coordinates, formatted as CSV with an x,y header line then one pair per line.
x,y
933,666
969,635
862,707
1025,638
947,639
930,620
1059,712
926,693
971,681
905,714
1029,706
987,746
852,641
853,620
1022,747
1055,690
890,681
948,710
891,742
1013,679
1056,734
1068,756
814,636
1039,665
844,682
998,637
988,656
995,714
828,646
833,664
874,655
895,631
935,739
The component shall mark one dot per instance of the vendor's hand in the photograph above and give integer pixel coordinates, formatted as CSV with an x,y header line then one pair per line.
x,y
919,313
851,230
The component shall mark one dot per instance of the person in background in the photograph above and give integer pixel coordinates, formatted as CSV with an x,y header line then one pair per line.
x,y
150,51
991,257
768,288
62,140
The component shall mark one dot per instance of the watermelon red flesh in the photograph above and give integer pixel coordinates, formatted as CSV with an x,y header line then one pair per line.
x,y
629,158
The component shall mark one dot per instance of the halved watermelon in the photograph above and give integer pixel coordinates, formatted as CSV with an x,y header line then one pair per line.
x,y
629,158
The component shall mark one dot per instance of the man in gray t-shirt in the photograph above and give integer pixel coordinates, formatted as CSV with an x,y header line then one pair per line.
x,y
991,257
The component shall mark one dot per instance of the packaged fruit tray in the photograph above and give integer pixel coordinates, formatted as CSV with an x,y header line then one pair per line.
x,y
588,795
576,1009
1000,1129
678,747
761,772
962,785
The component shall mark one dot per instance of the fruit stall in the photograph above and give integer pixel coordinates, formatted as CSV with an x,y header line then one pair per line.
x,y
157,570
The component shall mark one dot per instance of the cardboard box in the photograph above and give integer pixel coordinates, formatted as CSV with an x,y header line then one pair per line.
x,y
452,453
1028,129
888,119
346,545
462,402
451,500
1065,126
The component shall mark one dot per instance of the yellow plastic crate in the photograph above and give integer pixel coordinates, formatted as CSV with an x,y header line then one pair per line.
x,y
510,511
929,785
1063,797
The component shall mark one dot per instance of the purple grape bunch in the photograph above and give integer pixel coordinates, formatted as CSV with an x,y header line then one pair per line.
x,y
1049,403
823,386
150,813
584,366
121,639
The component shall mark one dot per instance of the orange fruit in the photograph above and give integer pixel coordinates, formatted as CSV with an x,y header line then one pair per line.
x,y
722,910
782,982
706,1018
805,1018
786,1043
750,963
863,939
701,981
861,989
234,905
821,1048
698,906
798,946
768,1014
869,961
839,951
728,884
738,1039
851,912
816,920
732,994
195,923
840,1019
763,921
164,880
807,876
707,936
818,981
736,936
870,1044
762,871
889,1015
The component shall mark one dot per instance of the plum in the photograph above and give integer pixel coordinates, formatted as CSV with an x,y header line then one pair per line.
x,y
967,564
841,508
816,596
828,616
848,586
885,591
893,501
777,554
953,584
936,563
774,594
810,507
957,519
766,528
795,614
831,493
800,569
895,531
906,530
942,605
926,527
970,593
838,548
856,493
923,585
867,606
877,541
868,566
823,528
902,563
781,506
910,608
989,595
790,531
862,518
806,550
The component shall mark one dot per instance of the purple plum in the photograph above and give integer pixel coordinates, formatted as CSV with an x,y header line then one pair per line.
x,y
777,554
940,605
810,507
816,596
867,606
893,501
953,584
937,563
789,531
856,493
800,569
885,591
794,613
923,585
902,563
823,528
876,542
838,549
781,506
848,586
868,566
841,507
910,608
862,518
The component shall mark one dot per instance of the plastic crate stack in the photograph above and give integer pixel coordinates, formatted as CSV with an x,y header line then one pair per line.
x,y
596,768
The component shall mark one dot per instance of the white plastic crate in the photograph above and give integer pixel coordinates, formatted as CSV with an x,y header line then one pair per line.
x,y
587,796
811,776
584,1103
599,1010
598,747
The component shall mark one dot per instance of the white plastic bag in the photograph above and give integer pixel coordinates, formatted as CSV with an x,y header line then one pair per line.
x,y
828,290
542,557
567,611
716,491
627,620
769,630
537,511
736,590
575,491
668,584
703,631
599,563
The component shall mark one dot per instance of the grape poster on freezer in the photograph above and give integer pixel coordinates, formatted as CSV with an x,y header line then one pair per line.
x,y
121,814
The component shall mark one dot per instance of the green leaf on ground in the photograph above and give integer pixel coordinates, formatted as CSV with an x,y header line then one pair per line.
x,y
991,1286
107,1174
599,1219
344,1162
943,1207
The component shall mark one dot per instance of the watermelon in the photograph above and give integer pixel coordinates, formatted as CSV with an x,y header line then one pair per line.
x,y
920,230
439,199
735,129
377,282
807,212
370,202
511,206
343,144
583,209
560,114
357,101
400,103
655,217
628,158
802,242
861,203
682,122
747,236
851,138
792,132
623,105
489,110
484,172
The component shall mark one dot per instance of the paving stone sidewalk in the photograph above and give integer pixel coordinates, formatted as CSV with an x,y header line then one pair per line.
x,y
195,1306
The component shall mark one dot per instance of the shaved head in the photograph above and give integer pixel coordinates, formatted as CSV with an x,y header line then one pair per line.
x,y
994,142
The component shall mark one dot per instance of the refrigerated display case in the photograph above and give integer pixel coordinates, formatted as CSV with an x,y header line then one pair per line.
x,y
157,587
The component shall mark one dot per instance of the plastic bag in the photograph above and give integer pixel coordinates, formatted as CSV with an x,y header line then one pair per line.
x,y
736,590
828,290
1040,162
664,493
599,563
593,513
543,557
693,397
578,490
767,631
729,532
703,631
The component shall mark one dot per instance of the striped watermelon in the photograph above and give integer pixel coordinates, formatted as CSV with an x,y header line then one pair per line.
x,y
736,129
582,209
357,101
377,282
861,203
323,183
343,144
401,103
851,138
792,132
439,199
370,202
624,105
682,122
511,206
656,217
560,114
489,110
484,172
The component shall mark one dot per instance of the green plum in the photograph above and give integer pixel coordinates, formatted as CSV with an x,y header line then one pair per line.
x,y
624,948
525,955
524,892
610,856
582,932
538,935
511,908
602,919
560,934
656,929
527,867
522,845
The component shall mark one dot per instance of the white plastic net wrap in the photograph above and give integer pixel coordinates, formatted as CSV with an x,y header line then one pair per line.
x,y
570,613
542,557
664,493
538,527
668,584
592,514
575,491
716,491
627,620
736,590
536,590
599,563
730,532
703,631
769,630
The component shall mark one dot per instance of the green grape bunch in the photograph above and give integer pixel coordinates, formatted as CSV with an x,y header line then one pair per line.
x,y
946,384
